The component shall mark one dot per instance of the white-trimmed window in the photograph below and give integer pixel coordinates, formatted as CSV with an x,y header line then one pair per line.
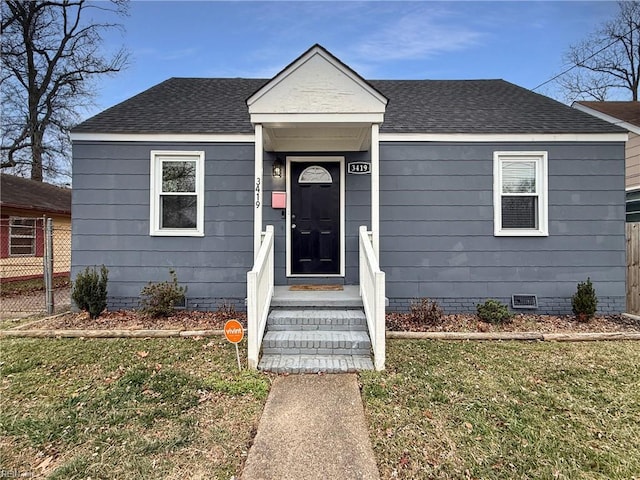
x,y
22,237
520,193
177,193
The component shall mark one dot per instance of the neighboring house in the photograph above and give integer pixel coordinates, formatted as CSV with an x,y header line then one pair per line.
x,y
24,204
627,116
471,189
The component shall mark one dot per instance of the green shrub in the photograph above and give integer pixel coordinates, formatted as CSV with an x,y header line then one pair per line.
x,y
584,302
425,311
492,311
90,290
160,299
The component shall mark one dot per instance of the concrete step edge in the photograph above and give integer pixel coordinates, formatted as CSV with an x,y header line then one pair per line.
x,y
316,327
315,363
316,335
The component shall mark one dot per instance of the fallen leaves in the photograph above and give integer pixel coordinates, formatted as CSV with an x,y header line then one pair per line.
x,y
469,322
458,322
133,320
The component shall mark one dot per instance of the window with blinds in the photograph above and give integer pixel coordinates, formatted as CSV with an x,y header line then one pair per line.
x,y
520,191
177,193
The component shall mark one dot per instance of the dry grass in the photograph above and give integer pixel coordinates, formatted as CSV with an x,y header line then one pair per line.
x,y
506,410
121,409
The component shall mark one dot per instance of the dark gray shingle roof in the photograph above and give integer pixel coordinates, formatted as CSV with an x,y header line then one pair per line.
x,y
217,105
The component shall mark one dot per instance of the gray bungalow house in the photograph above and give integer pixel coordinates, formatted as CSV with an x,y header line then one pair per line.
x,y
457,191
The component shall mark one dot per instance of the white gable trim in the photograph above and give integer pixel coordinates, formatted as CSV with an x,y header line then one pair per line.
x,y
163,137
303,59
507,137
316,88
269,119
384,137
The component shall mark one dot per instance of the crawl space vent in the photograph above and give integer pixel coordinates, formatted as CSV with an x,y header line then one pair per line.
x,y
524,302
181,304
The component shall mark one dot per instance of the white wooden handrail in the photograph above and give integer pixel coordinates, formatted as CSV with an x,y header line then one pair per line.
x,y
259,294
372,291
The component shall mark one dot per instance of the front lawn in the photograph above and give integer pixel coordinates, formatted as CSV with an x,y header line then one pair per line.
x,y
506,410
123,409
178,408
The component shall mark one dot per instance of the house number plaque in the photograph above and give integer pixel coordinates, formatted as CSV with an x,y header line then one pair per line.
x,y
258,192
359,168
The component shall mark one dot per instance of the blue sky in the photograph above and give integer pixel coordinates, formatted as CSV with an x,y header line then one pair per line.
x,y
521,42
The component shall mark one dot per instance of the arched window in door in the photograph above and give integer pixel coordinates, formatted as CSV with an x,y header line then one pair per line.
x,y
315,174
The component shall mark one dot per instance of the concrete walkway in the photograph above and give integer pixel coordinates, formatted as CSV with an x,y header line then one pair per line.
x,y
312,427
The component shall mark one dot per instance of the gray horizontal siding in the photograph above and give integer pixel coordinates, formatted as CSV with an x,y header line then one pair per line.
x,y
111,221
437,226
498,259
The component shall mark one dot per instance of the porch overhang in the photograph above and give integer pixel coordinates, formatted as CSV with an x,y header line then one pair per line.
x,y
332,134
317,103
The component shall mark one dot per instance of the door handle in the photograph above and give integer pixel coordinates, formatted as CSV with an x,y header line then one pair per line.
x,y
293,225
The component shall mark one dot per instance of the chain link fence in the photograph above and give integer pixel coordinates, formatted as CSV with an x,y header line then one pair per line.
x,y
35,261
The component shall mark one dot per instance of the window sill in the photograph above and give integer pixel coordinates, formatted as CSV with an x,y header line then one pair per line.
x,y
177,233
521,233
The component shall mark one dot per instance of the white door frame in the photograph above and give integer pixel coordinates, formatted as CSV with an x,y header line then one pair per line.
x,y
317,159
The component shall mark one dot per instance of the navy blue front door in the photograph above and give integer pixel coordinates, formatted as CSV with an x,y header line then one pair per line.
x,y
315,218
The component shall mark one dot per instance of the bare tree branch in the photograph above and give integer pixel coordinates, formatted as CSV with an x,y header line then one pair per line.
x,y
608,60
50,56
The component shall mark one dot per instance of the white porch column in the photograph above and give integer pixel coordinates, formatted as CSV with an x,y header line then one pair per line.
x,y
375,189
258,197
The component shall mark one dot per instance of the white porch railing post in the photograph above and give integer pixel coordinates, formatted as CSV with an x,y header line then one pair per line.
x,y
252,321
380,321
375,189
372,291
260,287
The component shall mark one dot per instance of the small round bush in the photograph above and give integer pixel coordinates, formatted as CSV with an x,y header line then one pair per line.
x,y
492,311
90,290
425,311
159,299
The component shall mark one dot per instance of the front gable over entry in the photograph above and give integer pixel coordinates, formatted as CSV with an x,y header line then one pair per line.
x,y
317,102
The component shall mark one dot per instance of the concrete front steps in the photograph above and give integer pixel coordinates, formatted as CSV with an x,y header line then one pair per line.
x,y
312,339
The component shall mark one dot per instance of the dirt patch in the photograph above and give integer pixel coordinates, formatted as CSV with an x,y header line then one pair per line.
x,y
519,323
32,302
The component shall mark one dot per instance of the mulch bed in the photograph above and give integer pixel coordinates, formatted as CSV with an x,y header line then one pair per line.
x,y
519,323
194,320
132,320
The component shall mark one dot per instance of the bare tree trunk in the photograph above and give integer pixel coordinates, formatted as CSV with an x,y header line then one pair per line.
x,y
36,157
34,94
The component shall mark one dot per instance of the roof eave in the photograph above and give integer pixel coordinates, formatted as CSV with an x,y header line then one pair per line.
x,y
606,117
35,209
